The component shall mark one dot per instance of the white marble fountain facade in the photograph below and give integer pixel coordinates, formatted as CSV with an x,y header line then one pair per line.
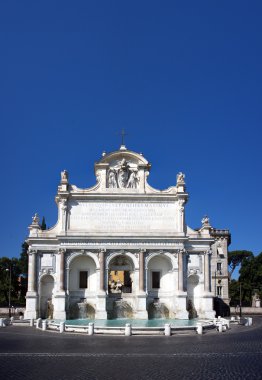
x,y
123,225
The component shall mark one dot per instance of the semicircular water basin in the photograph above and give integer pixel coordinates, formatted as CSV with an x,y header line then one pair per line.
x,y
133,322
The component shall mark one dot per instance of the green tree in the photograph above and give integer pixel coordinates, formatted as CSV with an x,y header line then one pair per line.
x,y
23,260
234,292
251,277
9,270
235,259
43,224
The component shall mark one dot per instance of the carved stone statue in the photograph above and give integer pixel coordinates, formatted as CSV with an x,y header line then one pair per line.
x,y
50,309
180,178
122,178
205,221
35,219
112,180
64,176
133,179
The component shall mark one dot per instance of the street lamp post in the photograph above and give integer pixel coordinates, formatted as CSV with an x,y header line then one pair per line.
x,y
240,300
9,291
215,284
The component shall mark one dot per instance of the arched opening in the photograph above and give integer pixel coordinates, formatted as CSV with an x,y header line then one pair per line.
x,y
83,287
159,275
160,285
120,275
120,287
46,297
82,277
192,290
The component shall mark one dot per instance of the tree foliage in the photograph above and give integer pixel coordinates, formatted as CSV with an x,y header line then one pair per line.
x,y
235,259
17,282
251,276
250,281
43,224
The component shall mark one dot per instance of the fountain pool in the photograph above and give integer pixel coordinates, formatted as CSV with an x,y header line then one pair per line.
x,y
121,322
138,326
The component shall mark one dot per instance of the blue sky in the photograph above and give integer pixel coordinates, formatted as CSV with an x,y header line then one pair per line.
x,y
183,78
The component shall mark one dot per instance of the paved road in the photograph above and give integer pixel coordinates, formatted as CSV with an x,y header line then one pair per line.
x,y
27,353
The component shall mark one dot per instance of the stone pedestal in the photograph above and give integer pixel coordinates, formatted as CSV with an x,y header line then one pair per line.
x,y
59,306
207,307
180,306
101,312
31,305
141,311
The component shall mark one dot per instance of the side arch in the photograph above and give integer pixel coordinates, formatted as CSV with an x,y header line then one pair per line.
x,y
168,255
74,255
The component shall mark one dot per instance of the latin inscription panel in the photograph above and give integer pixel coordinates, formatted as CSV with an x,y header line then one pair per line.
x,y
123,217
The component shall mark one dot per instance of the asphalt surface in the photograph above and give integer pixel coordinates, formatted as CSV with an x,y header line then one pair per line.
x,y
27,353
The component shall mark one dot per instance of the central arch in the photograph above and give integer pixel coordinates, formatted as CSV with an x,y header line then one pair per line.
x,y
120,272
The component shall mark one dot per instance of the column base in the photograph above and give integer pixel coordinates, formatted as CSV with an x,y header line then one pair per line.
x,y
31,305
181,314
180,306
207,307
101,312
141,314
141,311
59,301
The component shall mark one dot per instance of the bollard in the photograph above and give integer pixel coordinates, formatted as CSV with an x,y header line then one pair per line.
x,y
62,327
199,328
227,324
233,319
167,329
31,322
2,322
219,327
11,320
250,321
44,325
38,323
128,329
91,328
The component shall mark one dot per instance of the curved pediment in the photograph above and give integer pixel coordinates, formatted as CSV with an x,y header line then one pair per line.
x,y
117,156
124,169
122,172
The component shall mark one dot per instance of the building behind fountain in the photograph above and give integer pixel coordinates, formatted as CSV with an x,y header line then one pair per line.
x,y
123,249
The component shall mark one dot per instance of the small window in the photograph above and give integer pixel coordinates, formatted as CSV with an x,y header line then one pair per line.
x,y
220,251
219,267
219,291
83,280
155,280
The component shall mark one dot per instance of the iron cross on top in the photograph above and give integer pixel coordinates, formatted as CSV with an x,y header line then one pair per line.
x,y
123,134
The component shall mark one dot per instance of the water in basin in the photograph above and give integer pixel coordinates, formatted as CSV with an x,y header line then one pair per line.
x,y
134,322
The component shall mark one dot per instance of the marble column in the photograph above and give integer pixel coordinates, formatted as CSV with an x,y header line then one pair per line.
x,y
102,269
62,266
207,271
180,271
64,213
141,270
31,271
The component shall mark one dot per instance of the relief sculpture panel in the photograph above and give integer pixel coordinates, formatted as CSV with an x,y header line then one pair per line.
x,y
123,175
